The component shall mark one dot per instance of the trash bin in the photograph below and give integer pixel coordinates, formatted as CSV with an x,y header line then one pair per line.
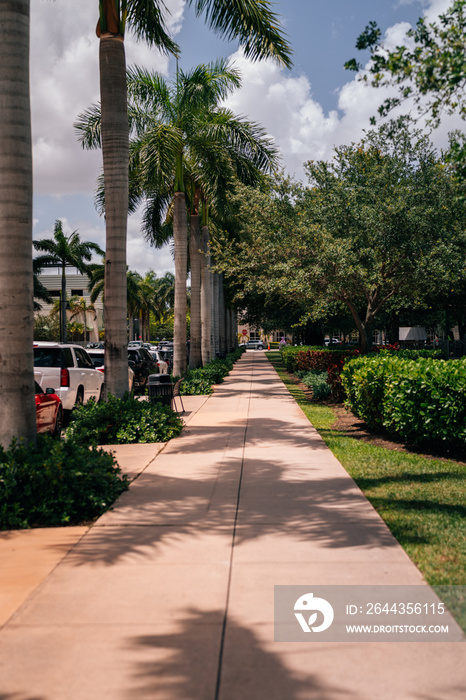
x,y
160,388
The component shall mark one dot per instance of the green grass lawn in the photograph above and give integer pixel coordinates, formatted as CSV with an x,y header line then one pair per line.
x,y
422,500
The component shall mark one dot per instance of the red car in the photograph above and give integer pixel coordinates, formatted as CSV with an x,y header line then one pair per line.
x,y
49,411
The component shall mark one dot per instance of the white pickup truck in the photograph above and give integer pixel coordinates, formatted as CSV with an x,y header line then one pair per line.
x,y
69,370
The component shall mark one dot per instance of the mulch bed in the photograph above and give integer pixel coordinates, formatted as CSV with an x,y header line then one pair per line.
x,y
356,428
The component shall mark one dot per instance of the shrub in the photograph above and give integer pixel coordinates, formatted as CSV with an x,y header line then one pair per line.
x,y
120,421
200,381
56,483
317,381
426,401
421,401
364,380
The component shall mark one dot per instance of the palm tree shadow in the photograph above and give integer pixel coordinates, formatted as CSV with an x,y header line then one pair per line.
x,y
185,664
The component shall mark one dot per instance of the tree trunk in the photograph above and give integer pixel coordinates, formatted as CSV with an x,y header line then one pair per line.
x,y
115,151
206,298
222,320
17,407
63,305
195,258
234,329
180,236
215,314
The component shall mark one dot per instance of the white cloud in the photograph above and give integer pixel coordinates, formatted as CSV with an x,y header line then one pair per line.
x,y
285,106
65,81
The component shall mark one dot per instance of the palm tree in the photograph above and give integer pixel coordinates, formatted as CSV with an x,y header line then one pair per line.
x,y
185,146
65,251
80,307
210,149
257,28
17,409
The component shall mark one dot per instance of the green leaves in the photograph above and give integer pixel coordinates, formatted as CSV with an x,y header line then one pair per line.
x,y
56,483
430,68
421,401
121,421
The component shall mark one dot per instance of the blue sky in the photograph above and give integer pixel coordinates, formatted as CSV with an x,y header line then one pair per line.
x,y
307,110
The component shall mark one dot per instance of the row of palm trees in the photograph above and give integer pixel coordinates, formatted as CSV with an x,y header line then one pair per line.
x,y
145,295
186,154
258,30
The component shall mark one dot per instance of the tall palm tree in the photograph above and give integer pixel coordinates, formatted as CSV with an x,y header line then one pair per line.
x,y
63,251
17,409
207,148
257,28
185,146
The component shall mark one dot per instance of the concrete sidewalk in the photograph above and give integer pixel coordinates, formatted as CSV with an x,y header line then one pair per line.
x,y
170,595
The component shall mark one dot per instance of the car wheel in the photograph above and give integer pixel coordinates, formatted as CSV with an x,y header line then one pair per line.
x,y
58,423
79,398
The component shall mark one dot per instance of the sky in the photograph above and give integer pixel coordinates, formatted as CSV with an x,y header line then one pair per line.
x,y
308,110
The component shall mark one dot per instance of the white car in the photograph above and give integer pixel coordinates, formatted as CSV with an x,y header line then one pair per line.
x,y
97,356
69,370
253,345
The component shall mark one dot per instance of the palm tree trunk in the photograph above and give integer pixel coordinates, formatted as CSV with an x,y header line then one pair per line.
x,y
63,305
180,236
222,320
206,298
195,258
17,408
215,315
115,151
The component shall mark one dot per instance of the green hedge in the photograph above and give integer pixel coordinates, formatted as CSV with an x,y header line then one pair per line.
x,y
420,401
200,381
56,483
121,421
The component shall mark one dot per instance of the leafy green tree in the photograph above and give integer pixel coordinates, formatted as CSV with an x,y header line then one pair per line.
x,y
430,68
65,251
381,220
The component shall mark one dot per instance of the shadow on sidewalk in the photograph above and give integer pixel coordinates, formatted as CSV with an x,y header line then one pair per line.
x,y
173,511
184,665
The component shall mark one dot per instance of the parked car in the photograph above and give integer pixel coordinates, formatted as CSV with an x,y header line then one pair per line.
x,y
142,364
97,356
164,360
253,345
69,370
49,411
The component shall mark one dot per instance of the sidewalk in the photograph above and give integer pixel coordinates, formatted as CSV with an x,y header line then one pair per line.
x,y
170,595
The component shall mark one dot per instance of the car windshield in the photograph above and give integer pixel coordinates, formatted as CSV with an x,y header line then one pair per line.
x,y
97,359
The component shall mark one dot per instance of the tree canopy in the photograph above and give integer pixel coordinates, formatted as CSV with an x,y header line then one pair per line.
x,y
430,68
382,220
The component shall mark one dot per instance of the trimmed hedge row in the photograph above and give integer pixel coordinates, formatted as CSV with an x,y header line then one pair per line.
x,y
331,360
421,401
200,381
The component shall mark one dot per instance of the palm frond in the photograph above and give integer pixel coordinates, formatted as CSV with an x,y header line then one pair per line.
x,y
147,22
252,22
87,128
